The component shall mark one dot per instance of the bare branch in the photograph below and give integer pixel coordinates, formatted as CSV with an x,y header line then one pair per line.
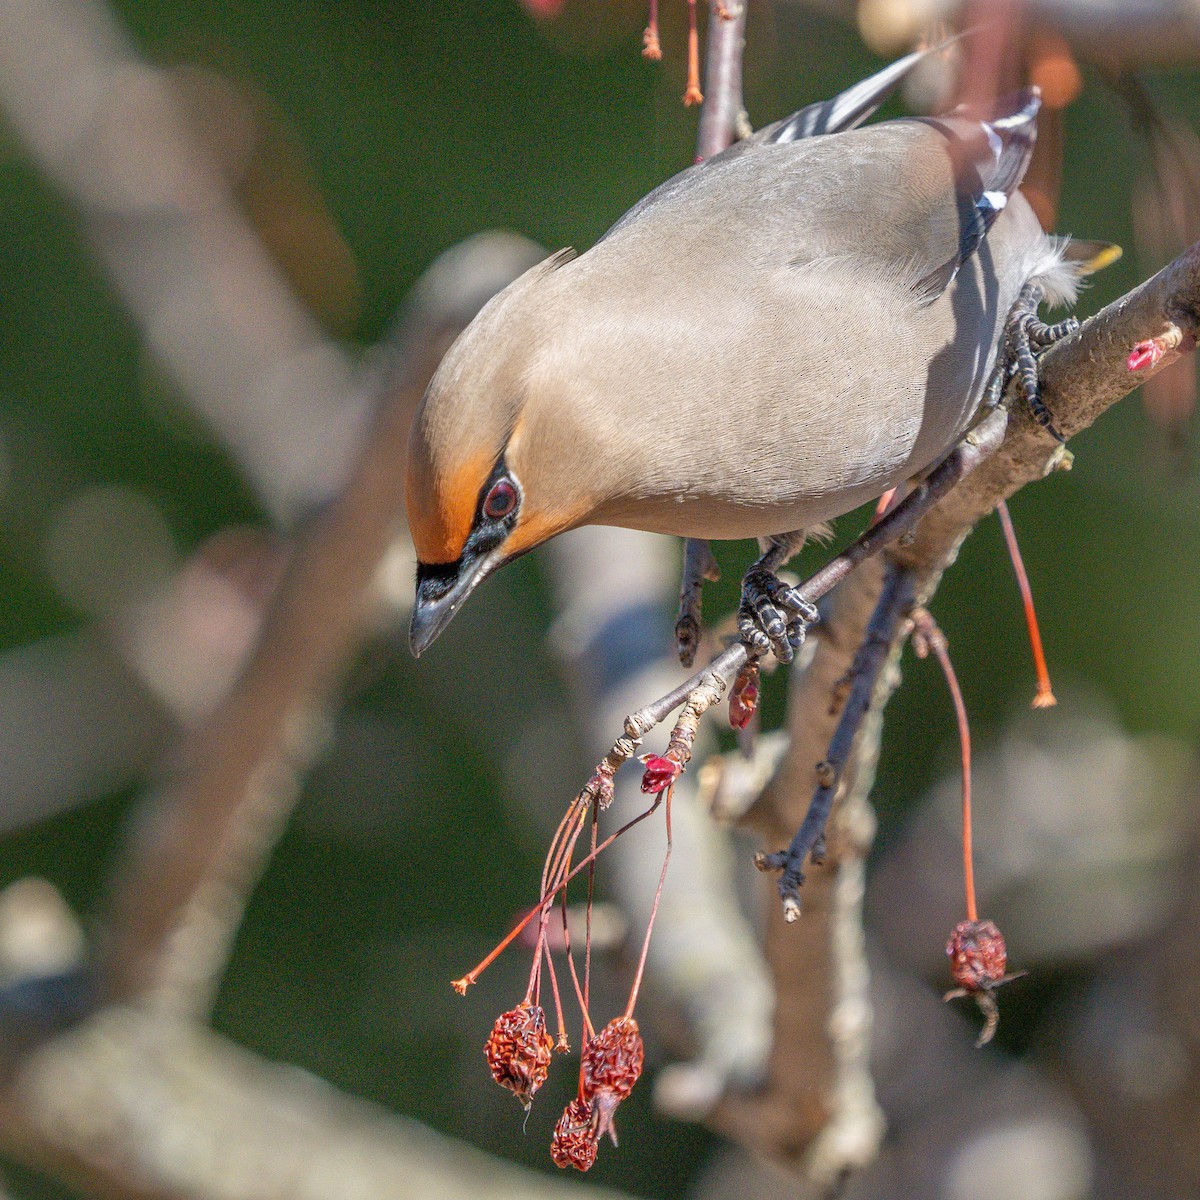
x,y
180,899
723,118
214,307
1082,376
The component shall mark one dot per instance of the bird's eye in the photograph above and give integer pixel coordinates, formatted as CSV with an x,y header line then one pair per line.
x,y
500,501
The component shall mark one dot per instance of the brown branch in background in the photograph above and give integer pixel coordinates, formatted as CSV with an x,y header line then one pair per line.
x,y
127,1105
1119,35
179,899
214,308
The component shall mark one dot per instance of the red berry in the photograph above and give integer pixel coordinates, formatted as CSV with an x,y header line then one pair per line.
x,y
574,1141
660,773
743,697
519,1050
978,957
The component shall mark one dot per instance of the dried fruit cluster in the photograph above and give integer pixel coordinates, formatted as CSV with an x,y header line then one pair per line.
x,y
520,1047
612,1063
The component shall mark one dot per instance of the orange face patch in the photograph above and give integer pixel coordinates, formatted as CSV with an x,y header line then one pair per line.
x,y
534,528
441,509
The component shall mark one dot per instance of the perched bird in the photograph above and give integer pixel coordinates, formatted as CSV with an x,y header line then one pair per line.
x,y
763,343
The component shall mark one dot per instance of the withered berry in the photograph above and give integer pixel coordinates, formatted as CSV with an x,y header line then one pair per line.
x,y
978,957
574,1141
612,1062
519,1049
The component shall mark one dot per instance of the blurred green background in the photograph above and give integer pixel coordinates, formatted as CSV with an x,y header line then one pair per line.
x,y
419,125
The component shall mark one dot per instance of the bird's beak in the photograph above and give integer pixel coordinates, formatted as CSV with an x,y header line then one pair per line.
x,y
441,592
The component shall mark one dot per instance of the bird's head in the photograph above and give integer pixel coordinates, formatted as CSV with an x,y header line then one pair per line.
x,y
492,469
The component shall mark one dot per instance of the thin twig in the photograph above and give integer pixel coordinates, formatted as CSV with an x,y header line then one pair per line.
x,y
895,603
723,119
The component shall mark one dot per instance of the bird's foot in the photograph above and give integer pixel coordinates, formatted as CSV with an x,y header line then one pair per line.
x,y
772,615
1026,337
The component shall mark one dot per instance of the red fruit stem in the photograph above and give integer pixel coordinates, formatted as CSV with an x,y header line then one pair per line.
x,y
580,989
591,896
568,817
563,1040
533,993
471,977
662,878
1045,694
937,643
560,851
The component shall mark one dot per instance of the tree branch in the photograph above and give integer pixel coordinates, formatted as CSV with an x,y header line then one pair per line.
x,y
723,117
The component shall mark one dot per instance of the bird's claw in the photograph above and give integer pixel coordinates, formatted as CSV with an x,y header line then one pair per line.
x,y
1026,336
772,615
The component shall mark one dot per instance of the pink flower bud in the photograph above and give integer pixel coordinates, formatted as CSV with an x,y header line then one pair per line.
x,y
660,773
1145,355
743,697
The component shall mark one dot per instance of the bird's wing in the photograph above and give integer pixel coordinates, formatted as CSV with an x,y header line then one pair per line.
x,y
909,201
990,158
